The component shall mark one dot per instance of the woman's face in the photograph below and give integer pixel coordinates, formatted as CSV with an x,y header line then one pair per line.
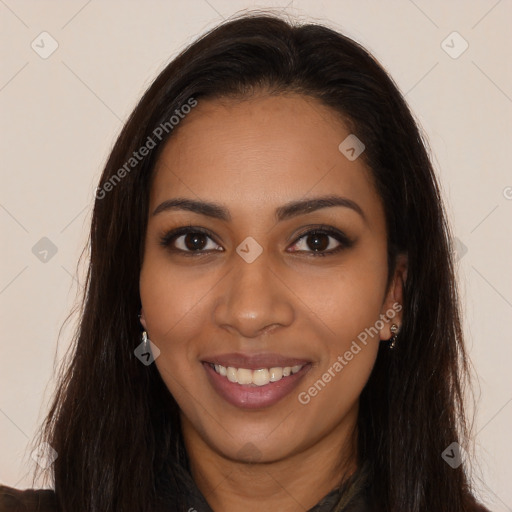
x,y
292,320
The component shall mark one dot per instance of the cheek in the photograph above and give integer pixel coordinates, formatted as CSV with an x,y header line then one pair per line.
x,y
168,295
347,299
177,303
349,308
174,314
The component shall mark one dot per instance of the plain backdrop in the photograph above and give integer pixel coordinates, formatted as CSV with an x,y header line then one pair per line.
x,y
62,111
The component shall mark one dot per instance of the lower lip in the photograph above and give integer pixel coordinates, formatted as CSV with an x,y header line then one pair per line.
x,y
252,396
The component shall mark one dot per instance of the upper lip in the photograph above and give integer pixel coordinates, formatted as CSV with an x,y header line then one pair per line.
x,y
254,361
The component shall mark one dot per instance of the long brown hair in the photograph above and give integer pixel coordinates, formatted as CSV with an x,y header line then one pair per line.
x,y
113,422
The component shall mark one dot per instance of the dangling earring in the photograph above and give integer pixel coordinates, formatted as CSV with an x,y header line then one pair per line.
x,y
392,341
145,341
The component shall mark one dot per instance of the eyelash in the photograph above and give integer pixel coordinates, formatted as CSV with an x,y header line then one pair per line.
x,y
339,236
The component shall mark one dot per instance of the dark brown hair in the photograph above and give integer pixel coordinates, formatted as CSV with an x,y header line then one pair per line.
x,y
113,422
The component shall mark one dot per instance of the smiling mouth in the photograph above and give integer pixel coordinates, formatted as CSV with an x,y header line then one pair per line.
x,y
259,377
258,387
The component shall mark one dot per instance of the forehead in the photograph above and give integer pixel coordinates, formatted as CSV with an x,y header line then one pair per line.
x,y
262,150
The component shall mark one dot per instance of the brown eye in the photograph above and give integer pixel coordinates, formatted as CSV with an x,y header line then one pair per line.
x,y
189,240
322,242
317,241
195,241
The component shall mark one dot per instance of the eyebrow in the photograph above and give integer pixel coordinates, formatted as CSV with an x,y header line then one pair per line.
x,y
285,212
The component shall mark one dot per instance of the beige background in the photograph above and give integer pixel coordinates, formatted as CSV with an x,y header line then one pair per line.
x,y
61,114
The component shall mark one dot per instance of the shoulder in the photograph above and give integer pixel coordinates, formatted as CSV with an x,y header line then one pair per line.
x,y
475,506
479,508
29,500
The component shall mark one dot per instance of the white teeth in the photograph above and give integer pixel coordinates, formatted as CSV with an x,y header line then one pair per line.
x,y
231,374
260,377
243,376
275,374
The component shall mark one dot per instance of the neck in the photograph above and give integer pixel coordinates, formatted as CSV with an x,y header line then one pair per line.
x,y
296,482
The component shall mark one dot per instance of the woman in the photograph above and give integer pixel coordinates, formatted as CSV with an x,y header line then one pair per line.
x,y
270,219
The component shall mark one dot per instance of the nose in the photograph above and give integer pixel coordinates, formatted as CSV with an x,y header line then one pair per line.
x,y
252,300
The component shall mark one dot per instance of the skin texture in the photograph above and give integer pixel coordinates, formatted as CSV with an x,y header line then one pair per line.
x,y
253,156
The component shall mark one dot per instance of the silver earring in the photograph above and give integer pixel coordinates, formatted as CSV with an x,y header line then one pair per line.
x,y
145,340
392,341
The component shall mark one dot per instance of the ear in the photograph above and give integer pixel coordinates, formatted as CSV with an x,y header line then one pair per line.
x,y
392,308
143,319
